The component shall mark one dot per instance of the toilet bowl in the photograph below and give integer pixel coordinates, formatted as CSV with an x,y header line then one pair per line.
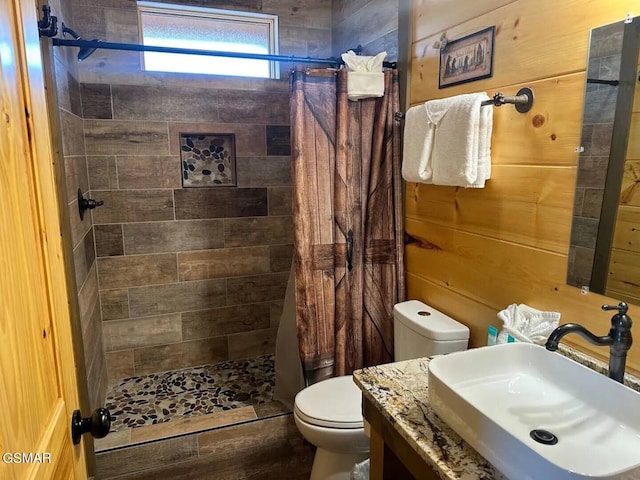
x,y
329,413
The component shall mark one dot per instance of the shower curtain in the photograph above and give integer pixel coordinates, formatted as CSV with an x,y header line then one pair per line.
x,y
347,209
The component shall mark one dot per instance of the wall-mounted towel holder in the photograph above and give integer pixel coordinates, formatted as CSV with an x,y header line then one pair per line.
x,y
523,101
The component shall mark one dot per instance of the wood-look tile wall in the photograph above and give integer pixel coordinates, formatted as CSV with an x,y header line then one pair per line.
x,y
82,234
373,24
479,250
187,276
268,449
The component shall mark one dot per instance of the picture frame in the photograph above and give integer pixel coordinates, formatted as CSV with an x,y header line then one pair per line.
x,y
208,159
467,59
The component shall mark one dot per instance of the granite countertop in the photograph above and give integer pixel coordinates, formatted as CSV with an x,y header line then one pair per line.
x,y
399,391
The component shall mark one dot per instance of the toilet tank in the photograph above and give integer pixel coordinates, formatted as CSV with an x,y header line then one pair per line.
x,y
422,331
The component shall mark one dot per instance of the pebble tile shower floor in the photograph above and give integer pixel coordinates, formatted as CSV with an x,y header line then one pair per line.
x,y
157,398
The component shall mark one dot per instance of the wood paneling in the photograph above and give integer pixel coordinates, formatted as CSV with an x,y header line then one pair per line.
x,y
482,268
633,147
627,235
477,251
623,275
449,13
630,194
536,214
534,40
546,135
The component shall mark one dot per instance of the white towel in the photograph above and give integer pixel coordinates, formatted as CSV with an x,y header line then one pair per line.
x,y
364,85
527,324
365,78
416,146
457,139
484,147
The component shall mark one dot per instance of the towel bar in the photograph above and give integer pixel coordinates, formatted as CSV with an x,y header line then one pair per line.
x,y
523,101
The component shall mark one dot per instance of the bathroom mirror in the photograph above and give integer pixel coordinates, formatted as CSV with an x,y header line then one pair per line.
x,y
604,252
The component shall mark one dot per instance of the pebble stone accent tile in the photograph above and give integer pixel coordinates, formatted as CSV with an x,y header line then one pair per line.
x,y
208,160
150,399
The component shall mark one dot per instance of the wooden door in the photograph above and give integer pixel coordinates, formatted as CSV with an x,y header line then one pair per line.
x,y
38,390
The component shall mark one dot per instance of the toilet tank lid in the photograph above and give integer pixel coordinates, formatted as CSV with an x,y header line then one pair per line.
x,y
429,322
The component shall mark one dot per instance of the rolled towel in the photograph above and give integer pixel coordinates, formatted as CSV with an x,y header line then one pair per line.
x,y
417,144
484,147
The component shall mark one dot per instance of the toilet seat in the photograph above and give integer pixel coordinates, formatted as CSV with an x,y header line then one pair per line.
x,y
332,403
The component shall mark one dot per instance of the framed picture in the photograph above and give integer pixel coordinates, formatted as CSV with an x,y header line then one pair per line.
x,y
208,159
467,59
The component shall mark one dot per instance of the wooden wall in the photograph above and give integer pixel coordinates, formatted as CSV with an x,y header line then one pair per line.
x,y
478,250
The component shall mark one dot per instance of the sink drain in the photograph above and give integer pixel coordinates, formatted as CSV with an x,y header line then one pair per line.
x,y
543,436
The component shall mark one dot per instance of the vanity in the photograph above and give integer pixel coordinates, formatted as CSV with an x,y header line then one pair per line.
x,y
410,441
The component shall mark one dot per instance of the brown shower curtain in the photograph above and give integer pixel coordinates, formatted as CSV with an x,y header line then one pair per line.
x,y
347,210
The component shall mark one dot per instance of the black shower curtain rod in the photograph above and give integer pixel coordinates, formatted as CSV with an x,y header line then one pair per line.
x,y
62,42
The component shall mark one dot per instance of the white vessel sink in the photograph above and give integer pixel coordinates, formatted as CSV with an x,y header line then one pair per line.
x,y
493,397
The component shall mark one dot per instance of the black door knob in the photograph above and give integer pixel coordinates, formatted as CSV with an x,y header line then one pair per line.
x,y
98,424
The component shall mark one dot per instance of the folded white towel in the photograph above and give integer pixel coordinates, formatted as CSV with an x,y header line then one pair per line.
x,y
484,147
416,146
527,324
365,78
456,143
364,85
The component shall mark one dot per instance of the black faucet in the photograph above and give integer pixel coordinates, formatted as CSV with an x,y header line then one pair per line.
x,y
619,339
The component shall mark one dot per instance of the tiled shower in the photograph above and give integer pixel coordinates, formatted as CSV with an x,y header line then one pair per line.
x,y
188,275
181,283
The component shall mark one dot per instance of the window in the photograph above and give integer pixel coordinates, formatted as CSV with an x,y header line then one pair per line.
x,y
208,29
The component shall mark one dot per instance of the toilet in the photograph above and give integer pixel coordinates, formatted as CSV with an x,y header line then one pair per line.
x,y
329,413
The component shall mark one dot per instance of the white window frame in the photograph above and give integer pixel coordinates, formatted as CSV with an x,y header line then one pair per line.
x,y
216,14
